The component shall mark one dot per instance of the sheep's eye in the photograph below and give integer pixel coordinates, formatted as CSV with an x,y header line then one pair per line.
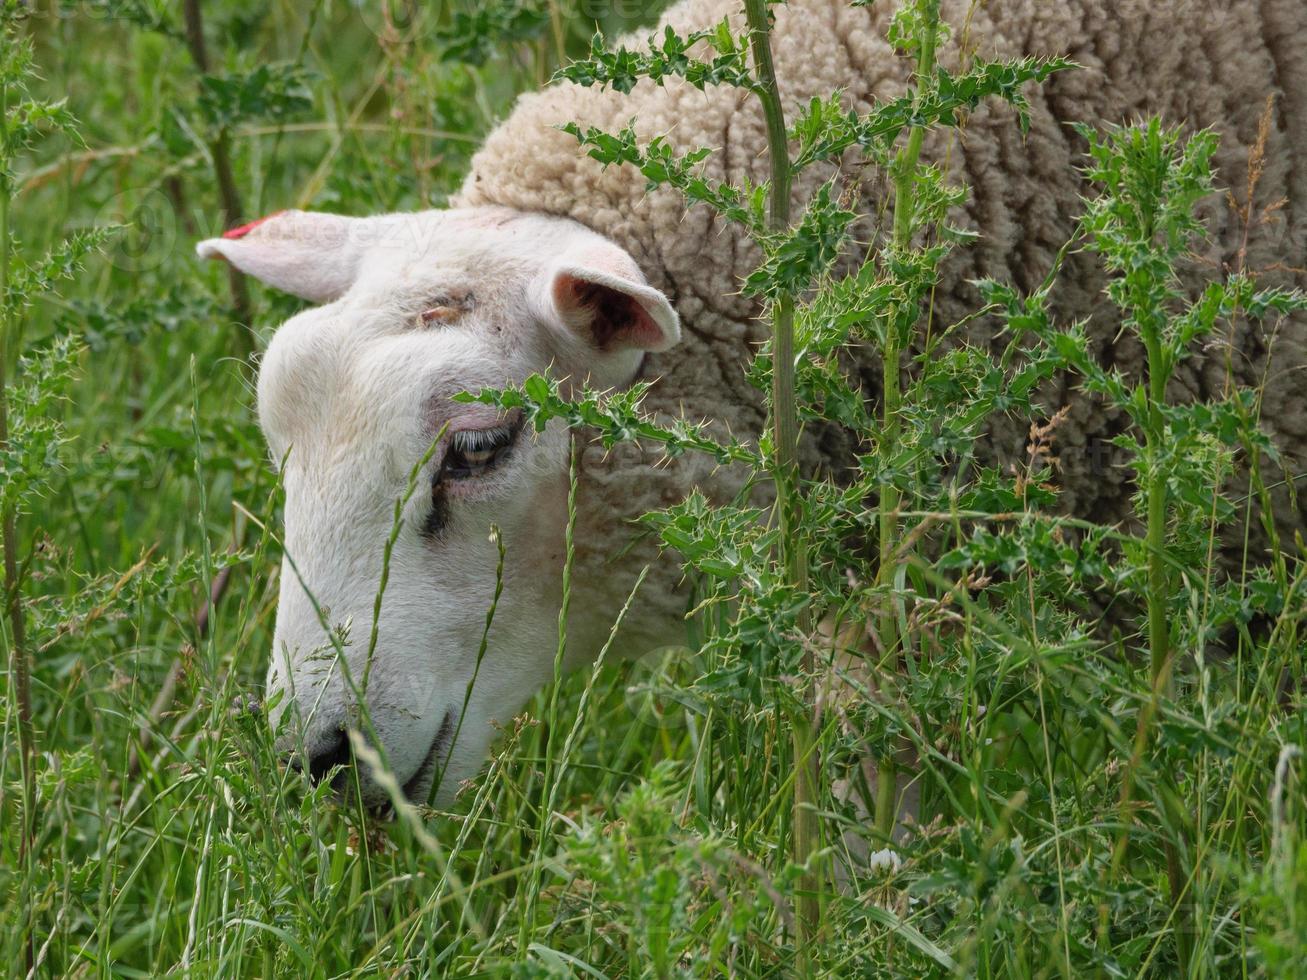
x,y
473,452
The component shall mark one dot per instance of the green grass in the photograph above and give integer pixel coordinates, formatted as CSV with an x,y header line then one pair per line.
x,y
637,820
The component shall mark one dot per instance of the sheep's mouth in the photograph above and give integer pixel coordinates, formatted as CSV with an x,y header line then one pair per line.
x,y
421,779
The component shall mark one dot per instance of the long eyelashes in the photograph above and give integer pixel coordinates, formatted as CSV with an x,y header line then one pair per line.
x,y
472,453
482,440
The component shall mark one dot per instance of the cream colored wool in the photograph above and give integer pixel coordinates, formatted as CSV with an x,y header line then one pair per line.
x,y
1212,63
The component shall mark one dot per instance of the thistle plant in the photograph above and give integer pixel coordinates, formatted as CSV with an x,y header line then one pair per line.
x,y
799,254
1143,223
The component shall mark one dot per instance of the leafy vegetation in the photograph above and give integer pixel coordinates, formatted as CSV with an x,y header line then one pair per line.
x,y
1116,799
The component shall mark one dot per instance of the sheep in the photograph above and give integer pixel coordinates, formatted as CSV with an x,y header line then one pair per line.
x,y
548,261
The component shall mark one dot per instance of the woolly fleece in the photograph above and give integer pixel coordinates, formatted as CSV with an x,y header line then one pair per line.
x,y
1197,62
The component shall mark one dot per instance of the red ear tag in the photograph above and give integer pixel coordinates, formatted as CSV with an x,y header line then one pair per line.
x,y
244,230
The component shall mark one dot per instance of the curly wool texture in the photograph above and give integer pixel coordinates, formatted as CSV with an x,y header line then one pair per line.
x,y
1201,64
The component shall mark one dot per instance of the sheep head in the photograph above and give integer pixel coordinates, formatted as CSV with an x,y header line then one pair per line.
x,y
352,394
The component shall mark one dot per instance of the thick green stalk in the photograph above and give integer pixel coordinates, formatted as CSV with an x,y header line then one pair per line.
x,y
905,179
1159,628
804,840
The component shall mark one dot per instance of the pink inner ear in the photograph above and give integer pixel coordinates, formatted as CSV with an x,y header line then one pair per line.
x,y
244,230
612,318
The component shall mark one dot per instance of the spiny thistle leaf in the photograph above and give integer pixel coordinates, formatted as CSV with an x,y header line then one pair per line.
x,y
615,414
670,57
824,130
660,164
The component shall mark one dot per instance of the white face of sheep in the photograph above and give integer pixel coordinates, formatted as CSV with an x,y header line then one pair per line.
x,y
352,394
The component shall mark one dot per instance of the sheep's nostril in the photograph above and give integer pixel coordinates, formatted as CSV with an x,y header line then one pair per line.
x,y
330,754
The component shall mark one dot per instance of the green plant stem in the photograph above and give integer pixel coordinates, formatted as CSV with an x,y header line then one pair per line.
x,y
805,834
20,668
905,178
233,213
1159,628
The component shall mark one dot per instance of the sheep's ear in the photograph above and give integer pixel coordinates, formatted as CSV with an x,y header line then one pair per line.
x,y
600,299
309,254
